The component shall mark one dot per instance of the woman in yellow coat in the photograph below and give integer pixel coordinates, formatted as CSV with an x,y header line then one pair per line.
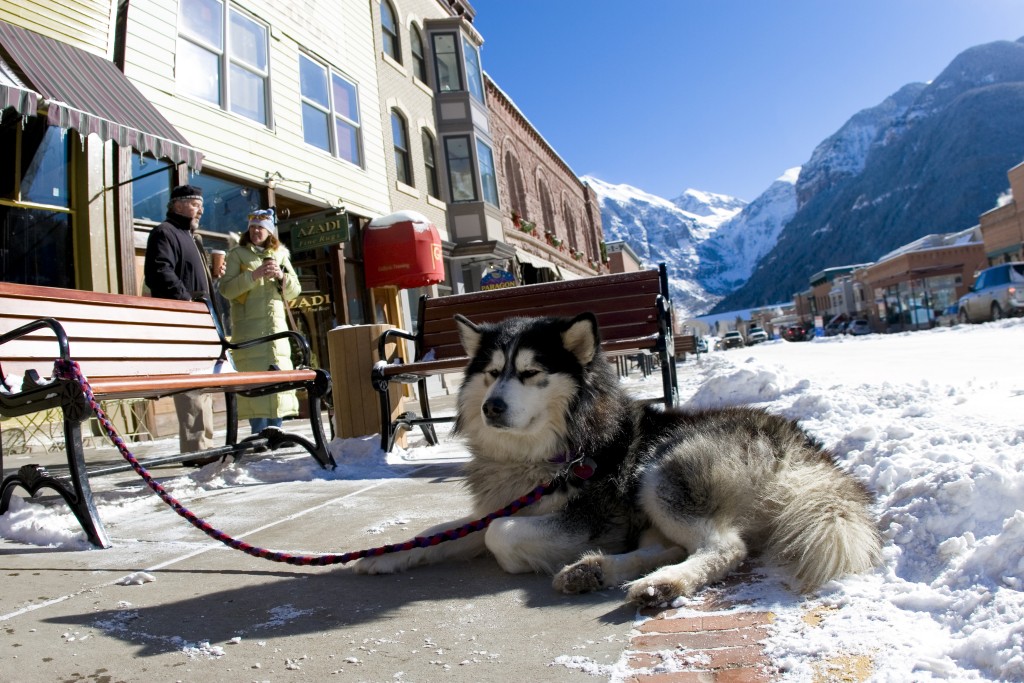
x,y
259,281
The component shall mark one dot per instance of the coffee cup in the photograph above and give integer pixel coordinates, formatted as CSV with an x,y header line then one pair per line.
x,y
216,261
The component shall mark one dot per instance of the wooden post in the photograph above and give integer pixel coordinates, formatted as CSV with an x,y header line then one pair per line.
x,y
353,351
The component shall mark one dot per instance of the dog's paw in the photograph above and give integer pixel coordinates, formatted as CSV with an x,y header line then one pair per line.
x,y
648,592
581,577
381,564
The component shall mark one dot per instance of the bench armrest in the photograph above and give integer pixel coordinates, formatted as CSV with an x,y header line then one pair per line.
x,y
383,340
28,328
287,334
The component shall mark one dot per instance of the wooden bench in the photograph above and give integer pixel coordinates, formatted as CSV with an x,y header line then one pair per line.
x,y
684,344
633,311
129,347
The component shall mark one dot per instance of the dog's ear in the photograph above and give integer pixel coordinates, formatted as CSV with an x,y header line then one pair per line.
x,y
581,338
469,334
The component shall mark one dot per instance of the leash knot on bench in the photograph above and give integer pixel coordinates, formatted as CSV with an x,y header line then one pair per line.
x,y
70,370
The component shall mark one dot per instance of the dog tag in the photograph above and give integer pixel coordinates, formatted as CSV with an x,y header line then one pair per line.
x,y
584,469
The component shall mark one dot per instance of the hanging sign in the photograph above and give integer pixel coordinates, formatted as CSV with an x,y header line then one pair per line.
x,y
496,278
317,230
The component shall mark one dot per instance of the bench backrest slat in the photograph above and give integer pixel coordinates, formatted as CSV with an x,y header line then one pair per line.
x,y
109,335
626,306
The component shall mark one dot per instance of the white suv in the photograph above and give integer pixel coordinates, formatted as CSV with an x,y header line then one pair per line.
x,y
756,335
996,293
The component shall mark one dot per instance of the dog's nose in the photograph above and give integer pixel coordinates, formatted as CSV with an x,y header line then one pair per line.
x,y
494,408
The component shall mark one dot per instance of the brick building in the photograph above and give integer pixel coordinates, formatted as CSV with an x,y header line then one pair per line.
x,y
550,217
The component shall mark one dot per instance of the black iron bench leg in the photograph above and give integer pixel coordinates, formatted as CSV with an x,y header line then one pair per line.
x,y
427,428
320,452
275,437
78,497
668,378
387,427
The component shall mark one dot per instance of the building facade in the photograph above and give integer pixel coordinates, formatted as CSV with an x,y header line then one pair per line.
x,y
283,100
549,216
917,286
1002,228
622,258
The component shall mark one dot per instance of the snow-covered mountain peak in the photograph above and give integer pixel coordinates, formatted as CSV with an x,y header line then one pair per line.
x,y
709,208
624,193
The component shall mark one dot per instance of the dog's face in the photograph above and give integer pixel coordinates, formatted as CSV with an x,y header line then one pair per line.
x,y
524,373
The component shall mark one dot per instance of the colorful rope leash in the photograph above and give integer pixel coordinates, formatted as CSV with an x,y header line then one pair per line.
x,y
69,369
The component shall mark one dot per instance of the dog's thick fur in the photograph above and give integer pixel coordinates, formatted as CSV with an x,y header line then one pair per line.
x,y
678,498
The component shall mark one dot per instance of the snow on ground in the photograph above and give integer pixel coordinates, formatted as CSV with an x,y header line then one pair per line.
x,y
931,421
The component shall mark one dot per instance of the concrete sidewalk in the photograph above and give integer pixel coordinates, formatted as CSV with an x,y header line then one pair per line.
x,y
168,603
216,614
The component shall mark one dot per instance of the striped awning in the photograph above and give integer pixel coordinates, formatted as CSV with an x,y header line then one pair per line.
x,y
82,91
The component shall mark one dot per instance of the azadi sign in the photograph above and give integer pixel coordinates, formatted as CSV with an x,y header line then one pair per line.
x,y
318,229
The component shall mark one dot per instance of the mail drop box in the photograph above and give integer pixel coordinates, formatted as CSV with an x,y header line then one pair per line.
x,y
402,250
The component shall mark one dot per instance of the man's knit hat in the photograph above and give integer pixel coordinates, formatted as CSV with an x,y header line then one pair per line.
x,y
186,192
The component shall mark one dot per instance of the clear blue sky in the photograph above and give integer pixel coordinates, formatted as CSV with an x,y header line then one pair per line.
x,y
716,95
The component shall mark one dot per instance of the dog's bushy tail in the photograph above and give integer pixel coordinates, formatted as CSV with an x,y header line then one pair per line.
x,y
823,527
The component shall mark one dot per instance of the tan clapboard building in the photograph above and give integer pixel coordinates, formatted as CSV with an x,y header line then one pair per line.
x,y
1002,228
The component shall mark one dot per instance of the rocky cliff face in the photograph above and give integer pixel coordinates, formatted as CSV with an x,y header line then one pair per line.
x,y
931,158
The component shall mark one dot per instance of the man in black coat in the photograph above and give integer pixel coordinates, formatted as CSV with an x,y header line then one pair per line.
x,y
175,268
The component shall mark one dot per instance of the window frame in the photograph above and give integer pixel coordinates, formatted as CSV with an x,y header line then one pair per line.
x,y
452,184
231,62
390,38
489,189
31,221
418,52
429,143
333,115
482,191
474,80
403,153
456,62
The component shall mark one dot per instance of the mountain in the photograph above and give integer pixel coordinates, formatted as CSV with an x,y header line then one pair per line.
x,y
931,158
659,230
709,242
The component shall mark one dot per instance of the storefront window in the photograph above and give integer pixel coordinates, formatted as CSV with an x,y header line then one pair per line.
x,y
36,243
36,247
151,188
226,205
44,178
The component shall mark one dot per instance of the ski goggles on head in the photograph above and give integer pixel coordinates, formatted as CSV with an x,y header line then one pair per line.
x,y
261,214
264,218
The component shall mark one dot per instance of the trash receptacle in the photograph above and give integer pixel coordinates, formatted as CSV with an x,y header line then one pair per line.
x,y
353,351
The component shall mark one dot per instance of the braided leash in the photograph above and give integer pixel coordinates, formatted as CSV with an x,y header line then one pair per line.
x,y
69,369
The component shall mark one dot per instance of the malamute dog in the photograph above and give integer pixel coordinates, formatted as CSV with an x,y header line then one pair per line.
x,y
664,501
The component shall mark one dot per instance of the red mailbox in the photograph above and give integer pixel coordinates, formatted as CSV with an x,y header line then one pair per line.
x,y
402,250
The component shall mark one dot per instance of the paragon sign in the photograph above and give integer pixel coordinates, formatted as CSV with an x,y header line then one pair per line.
x,y
318,229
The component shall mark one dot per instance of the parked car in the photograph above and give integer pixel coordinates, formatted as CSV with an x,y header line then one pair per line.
x,y
797,332
835,327
756,335
997,292
702,345
731,340
858,327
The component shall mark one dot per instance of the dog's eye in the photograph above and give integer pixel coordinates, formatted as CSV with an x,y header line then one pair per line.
x,y
494,373
527,374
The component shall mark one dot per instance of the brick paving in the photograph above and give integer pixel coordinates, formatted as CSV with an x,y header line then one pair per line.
x,y
713,641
